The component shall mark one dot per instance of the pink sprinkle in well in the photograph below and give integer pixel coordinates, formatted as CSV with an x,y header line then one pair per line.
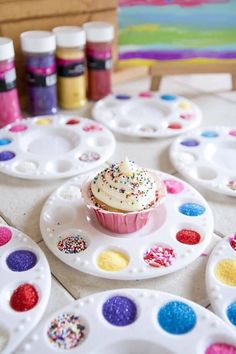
x,y
18,128
158,256
221,348
91,127
232,132
145,94
5,235
173,186
186,116
232,241
204,254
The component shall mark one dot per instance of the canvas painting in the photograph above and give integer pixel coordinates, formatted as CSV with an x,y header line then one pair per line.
x,y
176,30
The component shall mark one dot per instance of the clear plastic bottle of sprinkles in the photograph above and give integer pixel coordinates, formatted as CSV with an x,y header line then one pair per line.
x,y
9,101
99,37
40,65
70,57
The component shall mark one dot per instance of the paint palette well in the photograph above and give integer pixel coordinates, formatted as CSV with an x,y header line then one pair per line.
x,y
129,321
53,147
25,287
207,156
147,114
177,233
221,279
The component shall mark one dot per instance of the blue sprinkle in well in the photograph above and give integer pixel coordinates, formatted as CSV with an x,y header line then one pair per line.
x,y
22,260
192,209
123,97
167,97
4,141
177,317
209,134
119,311
190,142
6,155
231,313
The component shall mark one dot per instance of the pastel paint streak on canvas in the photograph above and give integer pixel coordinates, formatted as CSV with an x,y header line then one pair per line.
x,y
184,3
176,33
182,36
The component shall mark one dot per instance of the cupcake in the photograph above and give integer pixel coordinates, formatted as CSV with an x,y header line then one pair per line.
x,y
123,196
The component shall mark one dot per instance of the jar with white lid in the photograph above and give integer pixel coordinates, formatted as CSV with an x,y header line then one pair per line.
x,y
9,101
40,66
99,36
70,58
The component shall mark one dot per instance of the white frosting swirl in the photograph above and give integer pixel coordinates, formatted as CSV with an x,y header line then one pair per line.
x,y
125,187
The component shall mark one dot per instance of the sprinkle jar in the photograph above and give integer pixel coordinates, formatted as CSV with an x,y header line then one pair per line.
x,y
70,58
40,66
9,101
99,37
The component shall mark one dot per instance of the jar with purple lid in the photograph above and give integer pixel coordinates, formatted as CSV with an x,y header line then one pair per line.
x,y
40,66
9,101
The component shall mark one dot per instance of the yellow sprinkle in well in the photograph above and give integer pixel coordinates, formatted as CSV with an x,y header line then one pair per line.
x,y
184,105
225,271
43,121
112,261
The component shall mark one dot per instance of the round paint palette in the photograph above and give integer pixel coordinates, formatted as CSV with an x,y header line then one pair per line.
x,y
25,287
177,233
128,321
221,279
207,156
48,147
148,115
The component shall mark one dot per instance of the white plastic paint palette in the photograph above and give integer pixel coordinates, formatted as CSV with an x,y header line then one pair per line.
x,y
25,287
147,114
132,321
221,279
177,233
53,147
207,156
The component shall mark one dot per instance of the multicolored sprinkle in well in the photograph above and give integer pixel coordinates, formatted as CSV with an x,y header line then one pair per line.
x,y
158,256
72,244
89,156
232,185
66,331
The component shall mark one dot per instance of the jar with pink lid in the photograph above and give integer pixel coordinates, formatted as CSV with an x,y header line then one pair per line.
x,y
9,101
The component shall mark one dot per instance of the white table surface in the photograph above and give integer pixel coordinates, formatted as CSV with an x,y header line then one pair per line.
x,y
21,200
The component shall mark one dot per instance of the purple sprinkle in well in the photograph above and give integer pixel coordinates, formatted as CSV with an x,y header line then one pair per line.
x,y
6,155
190,142
123,97
22,260
119,311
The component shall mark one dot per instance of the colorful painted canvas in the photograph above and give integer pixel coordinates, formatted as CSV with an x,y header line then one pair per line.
x,y
176,30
